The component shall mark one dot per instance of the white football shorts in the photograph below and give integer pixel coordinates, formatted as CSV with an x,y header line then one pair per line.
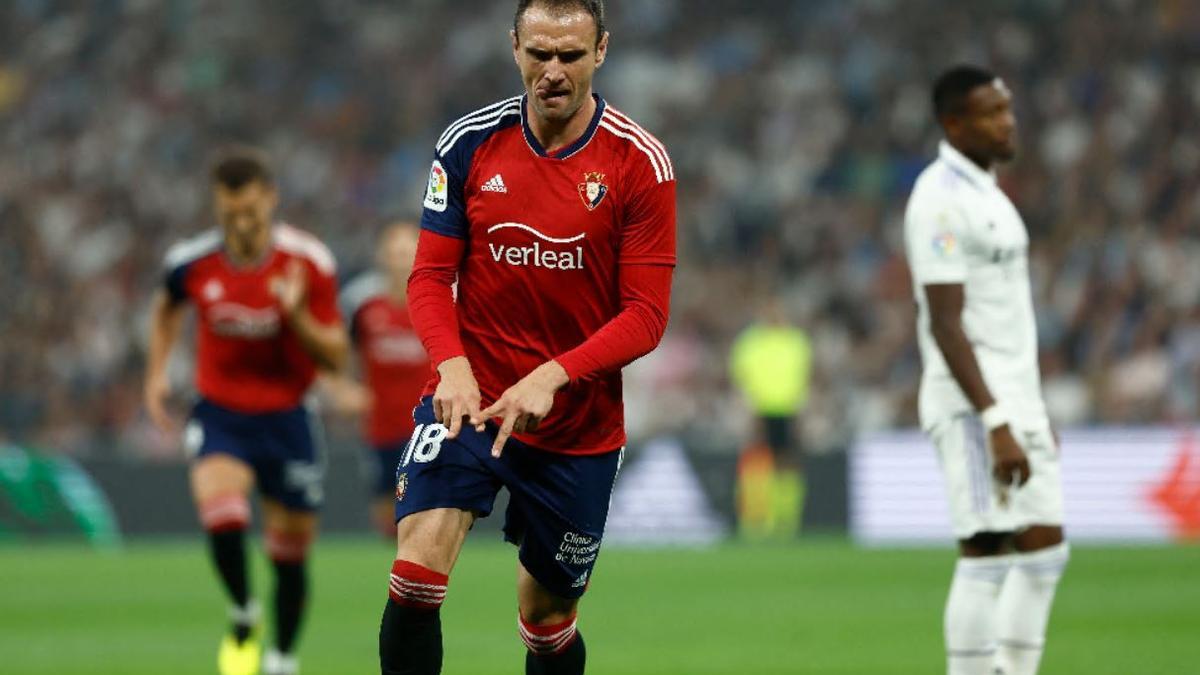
x,y
978,503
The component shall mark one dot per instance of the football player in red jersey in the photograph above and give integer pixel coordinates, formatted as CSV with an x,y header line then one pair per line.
x,y
555,215
267,319
394,365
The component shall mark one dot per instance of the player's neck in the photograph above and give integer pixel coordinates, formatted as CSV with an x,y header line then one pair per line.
x,y
975,158
556,135
247,251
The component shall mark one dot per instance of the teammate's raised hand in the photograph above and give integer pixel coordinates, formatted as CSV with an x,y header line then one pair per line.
x,y
525,404
291,288
457,396
1009,463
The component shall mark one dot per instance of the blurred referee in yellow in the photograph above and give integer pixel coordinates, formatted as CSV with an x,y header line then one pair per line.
x,y
771,363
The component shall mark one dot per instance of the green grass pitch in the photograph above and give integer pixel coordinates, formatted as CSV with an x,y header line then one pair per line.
x,y
819,607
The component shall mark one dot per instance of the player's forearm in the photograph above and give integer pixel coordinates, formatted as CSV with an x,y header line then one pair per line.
x,y
634,332
347,396
166,322
328,345
431,298
960,358
434,317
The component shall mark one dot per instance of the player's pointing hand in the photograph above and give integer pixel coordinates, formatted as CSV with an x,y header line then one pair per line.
x,y
457,396
525,404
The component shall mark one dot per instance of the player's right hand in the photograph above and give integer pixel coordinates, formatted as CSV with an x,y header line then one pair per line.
x,y
457,396
1009,463
155,393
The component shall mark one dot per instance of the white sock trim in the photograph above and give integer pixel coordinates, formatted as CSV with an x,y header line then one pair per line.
x,y
970,653
1024,645
989,569
276,662
247,615
1046,562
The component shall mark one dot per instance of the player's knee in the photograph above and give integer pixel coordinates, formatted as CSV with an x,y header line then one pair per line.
x,y
1038,538
985,543
417,586
432,538
550,633
228,512
288,547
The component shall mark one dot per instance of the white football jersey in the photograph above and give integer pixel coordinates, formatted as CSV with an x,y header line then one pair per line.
x,y
960,228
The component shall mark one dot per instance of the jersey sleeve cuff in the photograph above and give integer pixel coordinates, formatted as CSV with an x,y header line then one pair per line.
x,y
443,355
941,275
573,364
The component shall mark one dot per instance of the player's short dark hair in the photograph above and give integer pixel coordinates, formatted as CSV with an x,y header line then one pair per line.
x,y
593,7
952,87
237,167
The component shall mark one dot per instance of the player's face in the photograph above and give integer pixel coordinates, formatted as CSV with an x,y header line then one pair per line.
x,y
245,213
398,249
989,127
558,55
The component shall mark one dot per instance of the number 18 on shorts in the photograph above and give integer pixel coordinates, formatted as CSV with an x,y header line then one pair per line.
x,y
558,502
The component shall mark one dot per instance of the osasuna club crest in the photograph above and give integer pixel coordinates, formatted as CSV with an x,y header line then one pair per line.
x,y
401,486
592,189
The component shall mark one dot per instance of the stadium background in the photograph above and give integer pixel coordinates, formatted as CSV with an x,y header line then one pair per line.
x,y
796,129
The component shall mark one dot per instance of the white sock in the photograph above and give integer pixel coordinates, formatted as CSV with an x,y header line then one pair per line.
x,y
276,662
245,616
1024,608
970,621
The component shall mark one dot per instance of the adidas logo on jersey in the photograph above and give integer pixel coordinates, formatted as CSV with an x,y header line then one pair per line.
x,y
495,184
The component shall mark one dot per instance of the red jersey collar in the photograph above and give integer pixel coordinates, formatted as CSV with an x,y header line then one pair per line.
x,y
571,149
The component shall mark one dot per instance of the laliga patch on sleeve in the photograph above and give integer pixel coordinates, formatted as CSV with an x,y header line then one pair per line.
x,y
944,244
436,193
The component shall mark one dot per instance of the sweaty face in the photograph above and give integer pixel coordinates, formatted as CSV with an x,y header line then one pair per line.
x,y
245,213
558,55
398,249
989,128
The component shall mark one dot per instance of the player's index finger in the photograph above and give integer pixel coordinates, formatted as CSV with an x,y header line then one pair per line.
x,y
498,445
502,435
455,420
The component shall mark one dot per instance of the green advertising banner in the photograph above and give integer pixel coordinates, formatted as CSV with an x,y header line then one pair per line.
x,y
46,496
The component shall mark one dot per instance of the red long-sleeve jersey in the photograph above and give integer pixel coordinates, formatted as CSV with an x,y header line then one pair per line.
x,y
564,255
247,358
394,365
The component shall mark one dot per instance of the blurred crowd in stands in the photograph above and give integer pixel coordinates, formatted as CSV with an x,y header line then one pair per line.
x,y
796,129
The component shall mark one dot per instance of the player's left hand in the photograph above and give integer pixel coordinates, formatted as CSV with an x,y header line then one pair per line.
x,y
525,404
291,288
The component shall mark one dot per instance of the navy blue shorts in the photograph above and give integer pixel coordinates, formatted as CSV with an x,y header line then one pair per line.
x,y
557,507
381,466
281,447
